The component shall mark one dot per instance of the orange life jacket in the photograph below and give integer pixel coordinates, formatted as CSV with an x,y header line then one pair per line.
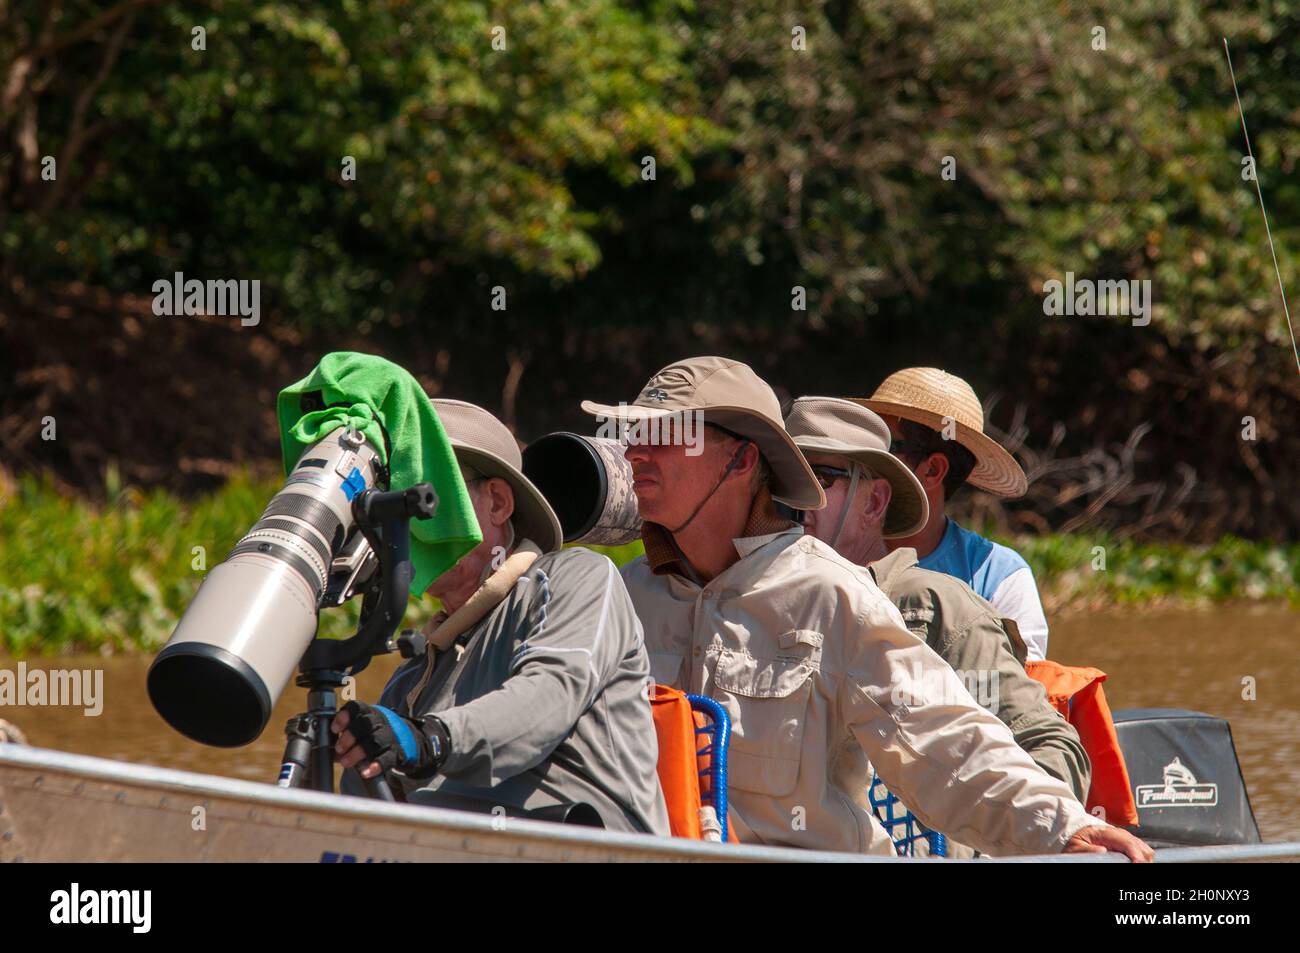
x,y
679,772
1077,694
682,761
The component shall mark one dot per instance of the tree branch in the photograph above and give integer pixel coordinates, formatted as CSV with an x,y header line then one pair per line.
x,y
53,44
76,138
22,66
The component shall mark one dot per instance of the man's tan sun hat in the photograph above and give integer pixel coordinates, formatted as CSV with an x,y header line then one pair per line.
x,y
927,395
841,427
730,395
484,444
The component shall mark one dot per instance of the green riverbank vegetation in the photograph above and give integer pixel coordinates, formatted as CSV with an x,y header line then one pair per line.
x,y
75,576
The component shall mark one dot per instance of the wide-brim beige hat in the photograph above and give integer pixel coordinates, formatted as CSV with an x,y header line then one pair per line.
x,y
730,395
929,396
484,444
841,427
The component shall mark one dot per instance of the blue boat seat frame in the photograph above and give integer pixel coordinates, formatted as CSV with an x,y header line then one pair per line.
x,y
713,779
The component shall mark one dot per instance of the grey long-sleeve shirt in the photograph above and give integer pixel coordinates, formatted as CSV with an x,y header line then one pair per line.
x,y
546,699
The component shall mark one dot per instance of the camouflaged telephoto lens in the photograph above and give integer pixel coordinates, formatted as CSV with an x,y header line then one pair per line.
x,y
588,482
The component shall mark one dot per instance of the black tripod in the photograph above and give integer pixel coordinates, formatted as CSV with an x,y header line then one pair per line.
x,y
384,519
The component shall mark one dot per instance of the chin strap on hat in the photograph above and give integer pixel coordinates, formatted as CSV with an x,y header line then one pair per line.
x,y
854,480
691,572
735,462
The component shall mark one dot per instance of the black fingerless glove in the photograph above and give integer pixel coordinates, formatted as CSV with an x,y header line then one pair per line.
x,y
417,748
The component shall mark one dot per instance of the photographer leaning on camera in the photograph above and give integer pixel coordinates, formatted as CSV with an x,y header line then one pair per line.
x,y
532,690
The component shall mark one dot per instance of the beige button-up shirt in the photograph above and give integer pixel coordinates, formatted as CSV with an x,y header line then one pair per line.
x,y
821,679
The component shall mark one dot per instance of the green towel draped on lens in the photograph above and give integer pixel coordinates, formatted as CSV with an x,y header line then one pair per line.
x,y
372,393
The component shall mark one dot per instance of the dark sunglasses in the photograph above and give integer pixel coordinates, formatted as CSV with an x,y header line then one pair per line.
x,y
827,476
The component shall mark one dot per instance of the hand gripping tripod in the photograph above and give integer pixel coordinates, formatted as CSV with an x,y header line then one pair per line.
x,y
384,520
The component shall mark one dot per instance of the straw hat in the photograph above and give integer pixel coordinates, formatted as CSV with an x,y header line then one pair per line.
x,y
482,443
729,394
832,425
927,395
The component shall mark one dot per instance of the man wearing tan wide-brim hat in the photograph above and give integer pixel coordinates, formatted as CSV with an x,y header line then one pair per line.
x,y
820,677
529,692
871,495
937,424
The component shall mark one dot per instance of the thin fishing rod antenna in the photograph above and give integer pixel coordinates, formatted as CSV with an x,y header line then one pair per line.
x,y
1260,192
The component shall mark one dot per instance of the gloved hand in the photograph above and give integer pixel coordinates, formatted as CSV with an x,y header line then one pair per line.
x,y
377,739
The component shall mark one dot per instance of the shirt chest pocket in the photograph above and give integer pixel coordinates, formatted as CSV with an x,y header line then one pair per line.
x,y
767,699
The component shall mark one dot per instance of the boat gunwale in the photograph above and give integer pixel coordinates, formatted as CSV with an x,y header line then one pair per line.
x,y
560,836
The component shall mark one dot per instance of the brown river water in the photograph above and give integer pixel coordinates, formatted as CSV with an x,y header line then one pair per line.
x,y
1182,658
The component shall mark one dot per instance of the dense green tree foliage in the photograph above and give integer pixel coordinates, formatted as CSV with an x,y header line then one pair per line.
x,y
818,131
464,125
794,145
